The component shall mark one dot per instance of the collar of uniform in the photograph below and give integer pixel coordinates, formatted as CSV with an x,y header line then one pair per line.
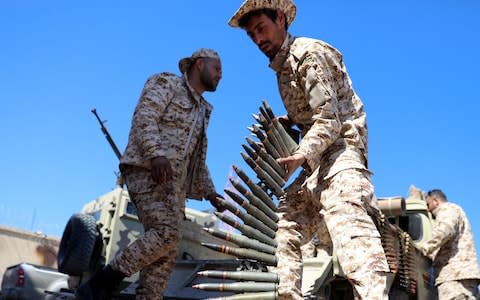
x,y
277,61
195,97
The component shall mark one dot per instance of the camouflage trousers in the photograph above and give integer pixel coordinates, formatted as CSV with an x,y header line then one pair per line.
x,y
336,214
161,210
458,290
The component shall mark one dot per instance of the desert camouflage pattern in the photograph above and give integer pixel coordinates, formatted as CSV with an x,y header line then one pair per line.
x,y
185,63
452,247
161,210
318,96
458,290
287,6
170,120
338,217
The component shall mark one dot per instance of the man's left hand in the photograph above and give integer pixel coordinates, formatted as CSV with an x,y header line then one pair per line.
x,y
215,202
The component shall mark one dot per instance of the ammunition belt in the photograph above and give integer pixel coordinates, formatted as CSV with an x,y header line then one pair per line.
x,y
256,241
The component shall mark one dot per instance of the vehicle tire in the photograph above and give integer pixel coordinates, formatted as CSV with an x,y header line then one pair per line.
x,y
77,244
97,260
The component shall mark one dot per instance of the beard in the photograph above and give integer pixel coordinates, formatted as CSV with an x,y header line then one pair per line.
x,y
271,51
207,81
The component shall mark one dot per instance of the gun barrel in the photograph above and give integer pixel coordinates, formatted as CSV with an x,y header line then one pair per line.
x,y
107,135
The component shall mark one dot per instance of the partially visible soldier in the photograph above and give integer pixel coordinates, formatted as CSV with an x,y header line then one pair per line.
x,y
452,250
335,186
164,163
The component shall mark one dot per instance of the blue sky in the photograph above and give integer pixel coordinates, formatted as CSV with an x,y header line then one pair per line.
x,y
414,64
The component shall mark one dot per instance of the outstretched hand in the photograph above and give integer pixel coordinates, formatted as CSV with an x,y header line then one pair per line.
x,y
216,202
291,163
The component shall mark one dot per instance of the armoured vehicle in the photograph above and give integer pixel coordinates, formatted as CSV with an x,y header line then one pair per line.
x,y
214,263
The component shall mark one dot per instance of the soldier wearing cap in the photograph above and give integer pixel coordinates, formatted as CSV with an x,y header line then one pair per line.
x,y
317,93
163,164
452,250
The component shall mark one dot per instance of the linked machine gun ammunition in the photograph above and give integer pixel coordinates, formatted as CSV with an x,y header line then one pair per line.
x,y
257,191
256,212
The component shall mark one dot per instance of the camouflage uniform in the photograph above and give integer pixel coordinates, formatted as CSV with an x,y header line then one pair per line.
x,y
333,191
452,250
318,96
170,120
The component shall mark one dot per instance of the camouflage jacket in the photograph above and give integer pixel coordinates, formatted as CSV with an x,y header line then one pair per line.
x,y
318,96
452,247
170,120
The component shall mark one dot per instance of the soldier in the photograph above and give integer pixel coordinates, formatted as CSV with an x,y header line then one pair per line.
x,y
452,250
164,163
334,187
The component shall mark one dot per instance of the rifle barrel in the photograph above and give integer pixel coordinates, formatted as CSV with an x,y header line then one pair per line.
x,y
107,135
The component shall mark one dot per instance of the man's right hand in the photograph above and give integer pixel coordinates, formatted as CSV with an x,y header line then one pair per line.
x,y
291,163
161,170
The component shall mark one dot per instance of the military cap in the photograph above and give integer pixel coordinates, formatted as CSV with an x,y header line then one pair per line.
x,y
287,6
185,63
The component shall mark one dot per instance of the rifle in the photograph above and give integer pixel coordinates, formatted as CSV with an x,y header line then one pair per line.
x,y
107,135
120,179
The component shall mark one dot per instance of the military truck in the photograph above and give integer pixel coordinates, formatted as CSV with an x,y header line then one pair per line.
x,y
214,263
407,224
109,223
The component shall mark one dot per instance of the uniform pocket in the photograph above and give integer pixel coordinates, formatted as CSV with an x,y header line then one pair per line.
x,y
177,112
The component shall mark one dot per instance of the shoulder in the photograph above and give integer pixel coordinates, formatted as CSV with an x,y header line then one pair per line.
x,y
165,79
304,46
452,206
457,209
449,210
